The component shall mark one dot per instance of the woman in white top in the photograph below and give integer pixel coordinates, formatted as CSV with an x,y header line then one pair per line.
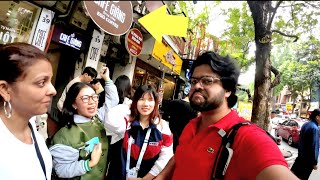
x,y
25,91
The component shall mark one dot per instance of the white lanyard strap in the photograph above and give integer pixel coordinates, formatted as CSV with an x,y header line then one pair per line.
x,y
143,150
130,141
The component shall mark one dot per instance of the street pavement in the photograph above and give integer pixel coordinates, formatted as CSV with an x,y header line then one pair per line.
x,y
315,175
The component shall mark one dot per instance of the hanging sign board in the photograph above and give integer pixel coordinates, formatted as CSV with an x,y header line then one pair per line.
x,y
95,49
42,29
134,42
69,38
114,17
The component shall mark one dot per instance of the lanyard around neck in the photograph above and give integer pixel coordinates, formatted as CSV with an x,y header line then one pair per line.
x,y
143,150
38,151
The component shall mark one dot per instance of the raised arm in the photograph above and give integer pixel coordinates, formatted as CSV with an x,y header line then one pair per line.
x,y
111,94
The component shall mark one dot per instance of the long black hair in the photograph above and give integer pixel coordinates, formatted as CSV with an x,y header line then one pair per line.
x,y
68,110
123,85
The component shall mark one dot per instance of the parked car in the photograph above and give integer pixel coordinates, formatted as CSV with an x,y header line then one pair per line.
x,y
279,119
289,130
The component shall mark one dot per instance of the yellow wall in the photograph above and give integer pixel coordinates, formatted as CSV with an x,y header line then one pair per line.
x,y
159,51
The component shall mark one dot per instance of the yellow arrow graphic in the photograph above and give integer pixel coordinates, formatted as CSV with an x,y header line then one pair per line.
x,y
158,22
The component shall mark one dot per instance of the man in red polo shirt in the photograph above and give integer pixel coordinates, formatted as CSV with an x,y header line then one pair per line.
x,y
255,155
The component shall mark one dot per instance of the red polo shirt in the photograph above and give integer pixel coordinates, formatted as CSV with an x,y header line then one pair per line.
x,y
196,153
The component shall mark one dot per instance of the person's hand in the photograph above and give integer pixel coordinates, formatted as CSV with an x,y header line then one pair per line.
x,y
315,167
95,155
105,73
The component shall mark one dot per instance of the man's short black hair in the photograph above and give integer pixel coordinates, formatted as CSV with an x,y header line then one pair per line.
x,y
90,71
225,67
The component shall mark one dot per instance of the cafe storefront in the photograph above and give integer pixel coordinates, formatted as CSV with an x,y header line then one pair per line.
x,y
164,67
18,20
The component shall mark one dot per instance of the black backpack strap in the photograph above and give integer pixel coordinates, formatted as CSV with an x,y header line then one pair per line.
x,y
225,152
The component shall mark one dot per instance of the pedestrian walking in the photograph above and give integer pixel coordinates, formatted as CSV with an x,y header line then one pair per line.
x,y
25,91
253,155
308,150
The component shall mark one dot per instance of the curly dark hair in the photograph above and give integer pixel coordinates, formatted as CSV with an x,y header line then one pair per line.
x,y
225,67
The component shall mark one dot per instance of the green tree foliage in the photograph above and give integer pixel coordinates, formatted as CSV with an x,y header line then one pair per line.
x,y
301,70
281,55
198,22
240,34
269,23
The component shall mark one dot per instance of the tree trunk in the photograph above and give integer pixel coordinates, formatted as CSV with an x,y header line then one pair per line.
x,y
261,12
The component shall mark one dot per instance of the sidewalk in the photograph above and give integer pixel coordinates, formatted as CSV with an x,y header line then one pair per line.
x,y
315,175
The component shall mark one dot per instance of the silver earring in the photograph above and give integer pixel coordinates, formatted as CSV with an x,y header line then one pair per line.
x,y
7,113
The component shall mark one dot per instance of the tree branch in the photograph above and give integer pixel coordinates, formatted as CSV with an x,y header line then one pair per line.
x,y
294,5
277,75
283,34
245,90
312,5
274,10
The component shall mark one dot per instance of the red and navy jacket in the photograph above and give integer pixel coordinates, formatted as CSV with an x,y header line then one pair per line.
x,y
157,154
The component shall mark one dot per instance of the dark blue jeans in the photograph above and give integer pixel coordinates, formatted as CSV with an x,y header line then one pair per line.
x,y
302,168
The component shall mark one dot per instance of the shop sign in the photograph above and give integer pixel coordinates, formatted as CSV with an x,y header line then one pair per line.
x,y
68,38
95,49
114,17
7,34
289,107
42,29
134,42
245,109
170,58
167,56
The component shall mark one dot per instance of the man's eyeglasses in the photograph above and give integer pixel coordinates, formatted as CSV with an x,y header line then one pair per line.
x,y
86,98
204,81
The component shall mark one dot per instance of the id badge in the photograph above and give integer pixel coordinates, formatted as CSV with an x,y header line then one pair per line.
x,y
132,173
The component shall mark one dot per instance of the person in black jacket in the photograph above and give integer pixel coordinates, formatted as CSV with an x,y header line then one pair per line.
x,y
308,150
179,112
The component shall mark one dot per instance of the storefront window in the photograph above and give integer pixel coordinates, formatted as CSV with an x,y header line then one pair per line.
x,y
138,77
153,81
16,21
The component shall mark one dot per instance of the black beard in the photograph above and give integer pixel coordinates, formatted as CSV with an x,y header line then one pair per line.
x,y
207,105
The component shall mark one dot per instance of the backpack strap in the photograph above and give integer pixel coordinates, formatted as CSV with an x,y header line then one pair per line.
x,y
225,151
